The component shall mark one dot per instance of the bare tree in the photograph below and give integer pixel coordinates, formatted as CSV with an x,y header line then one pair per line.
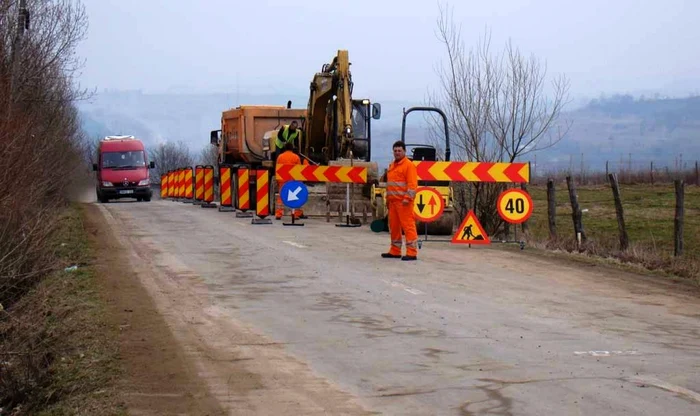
x,y
169,156
209,156
499,109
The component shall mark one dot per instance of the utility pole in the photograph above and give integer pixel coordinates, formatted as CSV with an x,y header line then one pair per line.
x,y
22,25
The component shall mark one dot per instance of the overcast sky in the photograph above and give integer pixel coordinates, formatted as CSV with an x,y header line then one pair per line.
x,y
277,45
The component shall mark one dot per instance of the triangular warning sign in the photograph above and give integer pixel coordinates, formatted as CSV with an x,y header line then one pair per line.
x,y
470,231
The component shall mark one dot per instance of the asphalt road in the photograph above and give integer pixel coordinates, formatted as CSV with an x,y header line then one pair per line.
x,y
462,331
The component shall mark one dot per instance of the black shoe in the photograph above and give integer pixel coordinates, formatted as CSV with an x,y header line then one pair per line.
x,y
406,258
391,256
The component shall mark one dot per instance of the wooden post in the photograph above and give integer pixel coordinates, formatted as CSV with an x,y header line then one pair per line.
x,y
576,213
624,239
651,172
678,220
551,209
525,225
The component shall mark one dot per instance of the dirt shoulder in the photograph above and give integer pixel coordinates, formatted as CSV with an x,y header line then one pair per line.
x,y
158,378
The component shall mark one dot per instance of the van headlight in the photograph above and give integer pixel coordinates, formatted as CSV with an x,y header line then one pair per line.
x,y
106,183
144,182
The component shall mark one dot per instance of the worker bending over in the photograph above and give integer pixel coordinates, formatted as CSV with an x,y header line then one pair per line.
x,y
287,157
401,185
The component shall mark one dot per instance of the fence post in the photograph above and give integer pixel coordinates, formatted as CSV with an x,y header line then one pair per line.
x,y
551,209
624,239
576,214
651,172
678,220
524,225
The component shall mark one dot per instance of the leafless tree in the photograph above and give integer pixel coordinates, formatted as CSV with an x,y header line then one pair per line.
x,y
499,109
169,156
209,156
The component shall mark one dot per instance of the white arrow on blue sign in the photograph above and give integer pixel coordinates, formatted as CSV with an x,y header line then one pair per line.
x,y
294,194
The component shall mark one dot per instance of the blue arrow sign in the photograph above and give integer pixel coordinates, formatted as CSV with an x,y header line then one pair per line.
x,y
294,194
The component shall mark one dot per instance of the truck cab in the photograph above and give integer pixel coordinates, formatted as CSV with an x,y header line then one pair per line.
x,y
122,169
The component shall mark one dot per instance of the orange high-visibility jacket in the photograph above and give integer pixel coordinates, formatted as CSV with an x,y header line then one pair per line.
x,y
401,181
288,157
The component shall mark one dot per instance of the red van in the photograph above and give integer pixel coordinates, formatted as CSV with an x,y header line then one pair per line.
x,y
122,169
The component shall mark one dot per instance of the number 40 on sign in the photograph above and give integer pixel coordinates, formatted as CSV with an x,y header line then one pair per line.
x,y
515,206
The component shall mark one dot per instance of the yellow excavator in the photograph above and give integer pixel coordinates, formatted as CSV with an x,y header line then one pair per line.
x,y
443,225
337,131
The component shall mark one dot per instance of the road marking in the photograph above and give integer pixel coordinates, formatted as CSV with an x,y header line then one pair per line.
x,y
292,243
645,380
606,353
404,287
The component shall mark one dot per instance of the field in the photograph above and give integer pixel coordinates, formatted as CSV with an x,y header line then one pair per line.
x,y
649,218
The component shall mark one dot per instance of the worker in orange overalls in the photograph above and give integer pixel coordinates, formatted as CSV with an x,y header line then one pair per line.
x,y
401,185
287,157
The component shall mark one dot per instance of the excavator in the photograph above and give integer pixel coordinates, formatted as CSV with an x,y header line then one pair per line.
x,y
415,152
336,130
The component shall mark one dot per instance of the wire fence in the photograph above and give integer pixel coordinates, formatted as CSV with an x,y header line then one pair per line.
x,y
629,170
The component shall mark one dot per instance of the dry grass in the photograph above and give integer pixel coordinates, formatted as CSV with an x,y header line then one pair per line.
x,y
58,353
649,214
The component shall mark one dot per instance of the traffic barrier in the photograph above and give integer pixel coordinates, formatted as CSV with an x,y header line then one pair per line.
x,y
473,171
171,181
163,186
262,197
311,173
180,183
243,193
208,187
225,198
189,185
198,184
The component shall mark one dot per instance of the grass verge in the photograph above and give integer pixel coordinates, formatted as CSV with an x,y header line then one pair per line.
x,y
649,214
58,354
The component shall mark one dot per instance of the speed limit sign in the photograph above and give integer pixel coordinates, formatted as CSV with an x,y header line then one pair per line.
x,y
514,206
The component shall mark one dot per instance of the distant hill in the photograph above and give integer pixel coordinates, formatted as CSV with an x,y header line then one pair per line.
x,y
619,129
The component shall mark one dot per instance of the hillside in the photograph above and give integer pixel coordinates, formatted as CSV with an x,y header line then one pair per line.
x,y
618,129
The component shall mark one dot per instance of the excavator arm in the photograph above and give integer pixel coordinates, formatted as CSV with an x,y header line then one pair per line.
x,y
332,115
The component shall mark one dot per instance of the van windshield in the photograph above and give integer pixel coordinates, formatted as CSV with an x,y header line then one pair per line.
x,y
124,160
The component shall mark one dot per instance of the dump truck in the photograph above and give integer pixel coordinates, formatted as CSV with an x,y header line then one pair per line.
x,y
336,130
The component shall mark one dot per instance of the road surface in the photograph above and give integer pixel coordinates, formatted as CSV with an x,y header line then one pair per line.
x,y
310,320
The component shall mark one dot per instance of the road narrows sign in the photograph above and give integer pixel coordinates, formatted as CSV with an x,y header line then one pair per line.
x,y
428,204
470,231
514,206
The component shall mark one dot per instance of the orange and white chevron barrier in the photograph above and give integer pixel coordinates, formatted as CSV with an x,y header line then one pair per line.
x,y
225,183
262,197
208,187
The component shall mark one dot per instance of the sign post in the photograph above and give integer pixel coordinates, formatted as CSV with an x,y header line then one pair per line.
x,y
294,194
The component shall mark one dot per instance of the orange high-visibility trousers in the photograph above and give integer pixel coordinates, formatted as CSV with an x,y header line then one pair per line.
x,y
401,218
279,206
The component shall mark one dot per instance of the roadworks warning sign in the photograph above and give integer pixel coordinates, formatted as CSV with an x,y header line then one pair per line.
x,y
470,231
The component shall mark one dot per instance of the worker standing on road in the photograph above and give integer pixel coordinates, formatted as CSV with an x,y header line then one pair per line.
x,y
289,133
288,157
401,185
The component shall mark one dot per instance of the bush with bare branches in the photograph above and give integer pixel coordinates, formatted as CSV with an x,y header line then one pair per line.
x,y
498,110
170,156
41,144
